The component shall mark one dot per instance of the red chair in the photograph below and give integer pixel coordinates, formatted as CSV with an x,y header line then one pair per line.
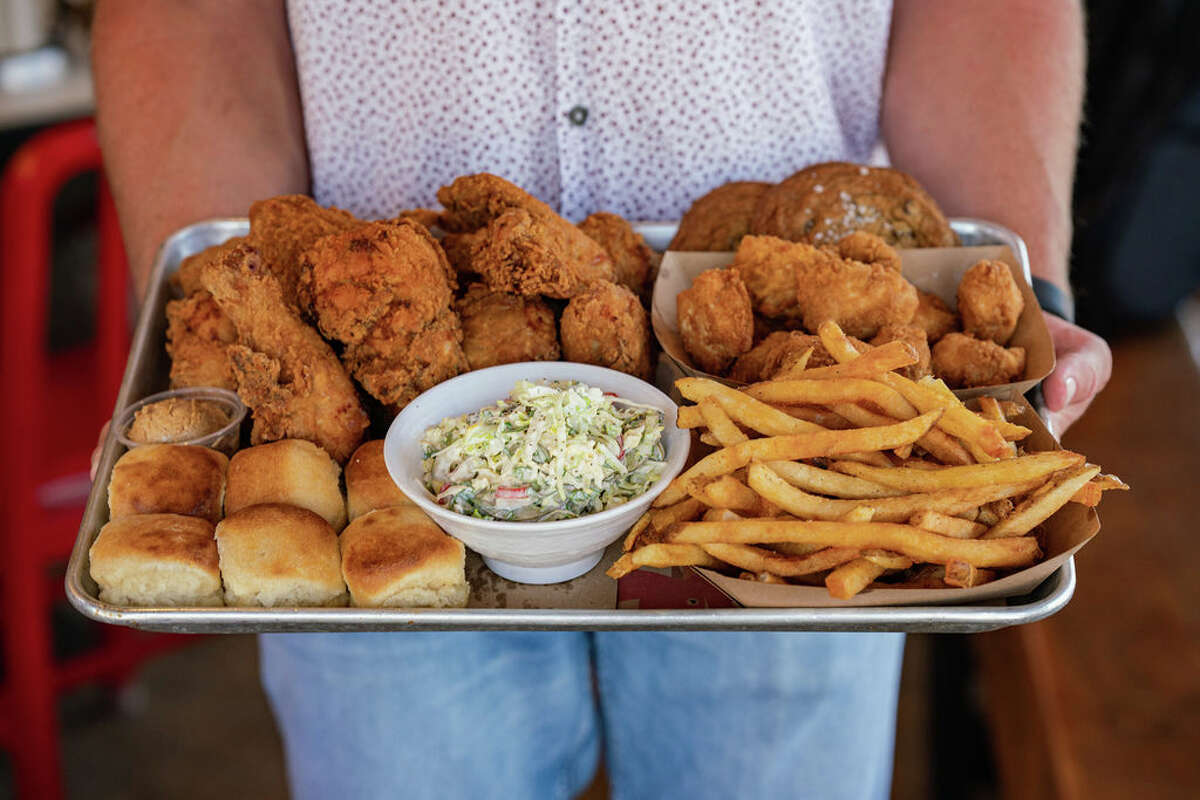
x,y
51,408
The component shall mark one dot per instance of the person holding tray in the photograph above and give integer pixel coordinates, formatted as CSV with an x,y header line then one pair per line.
x,y
637,108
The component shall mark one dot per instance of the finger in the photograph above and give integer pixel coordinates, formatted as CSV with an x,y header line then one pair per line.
x,y
1080,374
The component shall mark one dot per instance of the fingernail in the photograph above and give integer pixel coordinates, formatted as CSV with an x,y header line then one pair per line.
x,y
1069,385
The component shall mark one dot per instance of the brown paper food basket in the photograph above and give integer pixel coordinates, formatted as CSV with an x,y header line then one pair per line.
x,y
1061,536
936,270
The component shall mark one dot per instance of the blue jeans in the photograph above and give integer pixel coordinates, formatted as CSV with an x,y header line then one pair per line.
x,y
514,715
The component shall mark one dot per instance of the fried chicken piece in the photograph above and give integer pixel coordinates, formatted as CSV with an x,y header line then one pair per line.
x,y
423,216
286,374
934,316
501,328
283,227
989,301
527,249
186,279
381,289
869,249
715,319
766,266
607,325
718,220
915,336
634,263
859,297
770,356
460,253
964,361
198,335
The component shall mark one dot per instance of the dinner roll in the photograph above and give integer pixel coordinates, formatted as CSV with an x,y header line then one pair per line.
x,y
369,487
399,557
168,479
279,555
292,471
157,560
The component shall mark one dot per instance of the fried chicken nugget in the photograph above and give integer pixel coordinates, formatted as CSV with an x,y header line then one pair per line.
x,y
989,301
764,360
964,361
934,316
859,297
198,336
634,263
381,289
501,328
718,220
607,325
869,249
915,336
283,227
286,373
766,265
527,249
716,322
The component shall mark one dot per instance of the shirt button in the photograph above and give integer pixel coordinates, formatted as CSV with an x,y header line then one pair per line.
x,y
577,115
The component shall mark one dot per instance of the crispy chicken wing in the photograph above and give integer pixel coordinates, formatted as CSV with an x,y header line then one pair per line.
x,y
286,374
198,335
716,322
634,263
606,324
501,328
989,301
964,361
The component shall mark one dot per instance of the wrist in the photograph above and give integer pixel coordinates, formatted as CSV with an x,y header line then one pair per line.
x,y
1054,299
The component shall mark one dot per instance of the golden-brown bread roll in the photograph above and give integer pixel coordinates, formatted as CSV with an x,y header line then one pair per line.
x,y
369,487
279,555
400,557
168,479
291,471
157,560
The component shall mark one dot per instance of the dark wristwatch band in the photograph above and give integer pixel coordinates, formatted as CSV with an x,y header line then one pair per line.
x,y
1053,299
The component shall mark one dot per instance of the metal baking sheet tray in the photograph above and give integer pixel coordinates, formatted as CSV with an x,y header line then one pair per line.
x,y
146,371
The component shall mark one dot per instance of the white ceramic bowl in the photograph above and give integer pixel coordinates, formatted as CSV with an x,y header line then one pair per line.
x,y
527,552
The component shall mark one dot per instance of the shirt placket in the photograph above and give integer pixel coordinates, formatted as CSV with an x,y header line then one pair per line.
x,y
571,108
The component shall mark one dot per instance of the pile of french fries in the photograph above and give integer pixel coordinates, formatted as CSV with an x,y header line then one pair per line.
x,y
854,475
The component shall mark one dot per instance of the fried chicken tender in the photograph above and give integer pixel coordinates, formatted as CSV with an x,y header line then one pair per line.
x,y
286,373
283,227
964,361
859,297
915,336
198,335
501,328
772,354
716,322
989,301
934,316
766,265
527,249
718,220
607,325
381,289
634,263
186,279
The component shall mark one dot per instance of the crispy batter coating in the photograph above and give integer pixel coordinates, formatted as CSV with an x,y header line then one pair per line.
x,y
198,335
527,249
716,322
766,265
186,279
964,361
989,301
915,336
934,316
381,289
869,249
423,216
286,373
718,220
774,353
460,253
607,325
283,227
823,202
501,328
634,263
861,298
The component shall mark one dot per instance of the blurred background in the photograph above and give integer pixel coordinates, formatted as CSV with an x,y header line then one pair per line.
x,y
1101,700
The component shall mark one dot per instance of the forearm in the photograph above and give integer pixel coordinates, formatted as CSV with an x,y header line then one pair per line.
x,y
198,113
982,104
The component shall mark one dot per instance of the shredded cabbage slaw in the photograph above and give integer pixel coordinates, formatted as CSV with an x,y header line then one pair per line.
x,y
550,450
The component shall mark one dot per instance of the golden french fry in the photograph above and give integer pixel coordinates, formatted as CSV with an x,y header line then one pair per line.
x,y
689,417
743,408
930,576
770,485
837,342
1089,494
819,416
865,418
719,424
876,361
631,538
1038,507
710,440
821,444
794,363
621,567
834,391
940,444
859,514
975,430
795,548
989,408
758,559
946,525
662,555
964,575
825,481
852,577
887,559
687,508
914,543
1035,466
725,492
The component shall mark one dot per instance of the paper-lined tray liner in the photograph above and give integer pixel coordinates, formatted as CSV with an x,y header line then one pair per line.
x,y
936,270
1069,529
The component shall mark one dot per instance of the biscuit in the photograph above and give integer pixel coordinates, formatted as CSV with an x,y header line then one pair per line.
x,y
168,479
156,560
399,557
292,471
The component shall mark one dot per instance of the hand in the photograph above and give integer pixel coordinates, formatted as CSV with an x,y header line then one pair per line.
x,y
96,452
1083,366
